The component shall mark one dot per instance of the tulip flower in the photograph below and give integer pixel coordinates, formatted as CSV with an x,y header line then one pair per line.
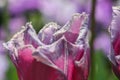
x,y
56,53
115,40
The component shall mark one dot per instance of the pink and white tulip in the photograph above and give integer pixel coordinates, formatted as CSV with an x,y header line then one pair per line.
x,y
56,53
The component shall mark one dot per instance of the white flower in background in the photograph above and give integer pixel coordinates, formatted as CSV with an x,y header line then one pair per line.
x,y
3,66
3,3
58,10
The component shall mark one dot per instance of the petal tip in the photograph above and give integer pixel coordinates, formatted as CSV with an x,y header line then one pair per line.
x,y
52,24
78,15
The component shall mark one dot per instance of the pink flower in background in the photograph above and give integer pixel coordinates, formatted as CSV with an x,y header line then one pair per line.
x,y
15,24
56,53
104,12
3,66
58,10
115,41
62,10
2,33
20,6
102,42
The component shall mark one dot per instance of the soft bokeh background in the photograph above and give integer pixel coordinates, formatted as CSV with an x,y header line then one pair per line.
x,y
15,13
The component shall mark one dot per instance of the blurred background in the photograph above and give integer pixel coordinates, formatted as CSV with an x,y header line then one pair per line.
x,y
15,13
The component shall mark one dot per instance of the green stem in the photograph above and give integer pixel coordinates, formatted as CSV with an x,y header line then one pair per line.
x,y
92,28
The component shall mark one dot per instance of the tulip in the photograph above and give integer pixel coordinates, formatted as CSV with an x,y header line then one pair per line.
x,y
114,55
56,53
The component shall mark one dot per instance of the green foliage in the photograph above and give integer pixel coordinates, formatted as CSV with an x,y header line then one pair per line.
x,y
11,74
102,68
36,19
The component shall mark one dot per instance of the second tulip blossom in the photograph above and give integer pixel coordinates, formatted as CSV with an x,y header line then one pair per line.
x,y
115,41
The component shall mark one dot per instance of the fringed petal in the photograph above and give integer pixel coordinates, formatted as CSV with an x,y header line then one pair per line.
x,y
30,69
46,34
72,59
72,28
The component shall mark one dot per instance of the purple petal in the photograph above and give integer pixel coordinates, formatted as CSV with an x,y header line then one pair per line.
x,y
30,36
25,37
72,28
46,34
